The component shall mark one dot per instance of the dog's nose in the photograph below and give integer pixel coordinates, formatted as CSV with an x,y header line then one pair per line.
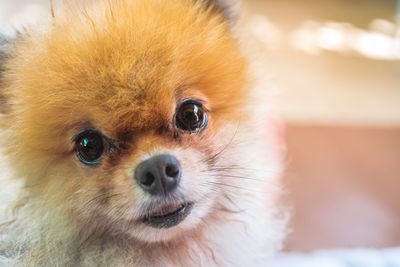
x,y
159,175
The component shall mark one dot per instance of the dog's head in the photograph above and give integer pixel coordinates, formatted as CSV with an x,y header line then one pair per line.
x,y
124,114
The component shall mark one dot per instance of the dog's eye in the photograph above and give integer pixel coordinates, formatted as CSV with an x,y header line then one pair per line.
x,y
191,117
90,147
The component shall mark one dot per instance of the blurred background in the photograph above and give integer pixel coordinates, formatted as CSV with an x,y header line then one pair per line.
x,y
335,67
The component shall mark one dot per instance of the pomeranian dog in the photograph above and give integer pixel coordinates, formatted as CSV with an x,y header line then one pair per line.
x,y
140,136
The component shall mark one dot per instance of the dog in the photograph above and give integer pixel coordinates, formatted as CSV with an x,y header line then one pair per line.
x,y
139,132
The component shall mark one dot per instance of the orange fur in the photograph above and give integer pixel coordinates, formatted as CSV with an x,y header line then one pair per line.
x,y
121,67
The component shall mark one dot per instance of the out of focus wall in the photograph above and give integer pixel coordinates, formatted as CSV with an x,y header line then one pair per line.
x,y
334,61
336,67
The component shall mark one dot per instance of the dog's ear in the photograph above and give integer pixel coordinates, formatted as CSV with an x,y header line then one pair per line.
x,y
228,8
5,50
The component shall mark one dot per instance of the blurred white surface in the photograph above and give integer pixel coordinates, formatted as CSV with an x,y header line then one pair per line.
x,y
339,258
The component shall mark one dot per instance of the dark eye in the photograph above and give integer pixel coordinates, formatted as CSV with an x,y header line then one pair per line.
x,y
191,117
89,147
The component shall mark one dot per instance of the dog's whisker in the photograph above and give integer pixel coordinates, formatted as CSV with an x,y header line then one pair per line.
x,y
238,177
235,189
213,157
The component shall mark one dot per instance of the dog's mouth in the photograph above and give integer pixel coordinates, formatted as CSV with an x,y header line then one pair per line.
x,y
168,216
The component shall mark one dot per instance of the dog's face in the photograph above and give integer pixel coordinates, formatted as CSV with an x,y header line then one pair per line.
x,y
122,115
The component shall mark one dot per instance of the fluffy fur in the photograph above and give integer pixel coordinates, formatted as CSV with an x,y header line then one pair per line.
x,y
4,52
121,67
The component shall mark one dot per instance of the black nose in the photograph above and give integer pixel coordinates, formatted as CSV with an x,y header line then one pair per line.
x,y
159,175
